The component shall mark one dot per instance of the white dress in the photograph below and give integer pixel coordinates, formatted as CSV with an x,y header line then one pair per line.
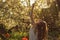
x,y
32,35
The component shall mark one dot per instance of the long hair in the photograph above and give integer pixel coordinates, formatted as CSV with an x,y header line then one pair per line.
x,y
41,27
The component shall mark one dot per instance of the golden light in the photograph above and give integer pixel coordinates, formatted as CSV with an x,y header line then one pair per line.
x,y
32,1
43,4
3,0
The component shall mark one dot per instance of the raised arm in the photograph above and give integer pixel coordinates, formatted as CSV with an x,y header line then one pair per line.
x,y
31,15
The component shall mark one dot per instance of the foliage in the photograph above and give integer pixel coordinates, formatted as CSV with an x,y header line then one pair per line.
x,y
18,35
16,12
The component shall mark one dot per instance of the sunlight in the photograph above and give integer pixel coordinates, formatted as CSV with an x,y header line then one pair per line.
x,y
24,2
3,0
21,0
32,1
11,13
43,4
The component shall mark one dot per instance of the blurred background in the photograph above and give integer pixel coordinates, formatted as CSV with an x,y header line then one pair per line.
x,y
15,17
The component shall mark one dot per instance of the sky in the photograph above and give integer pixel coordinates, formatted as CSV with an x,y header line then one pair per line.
x,y
31,2
43,5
